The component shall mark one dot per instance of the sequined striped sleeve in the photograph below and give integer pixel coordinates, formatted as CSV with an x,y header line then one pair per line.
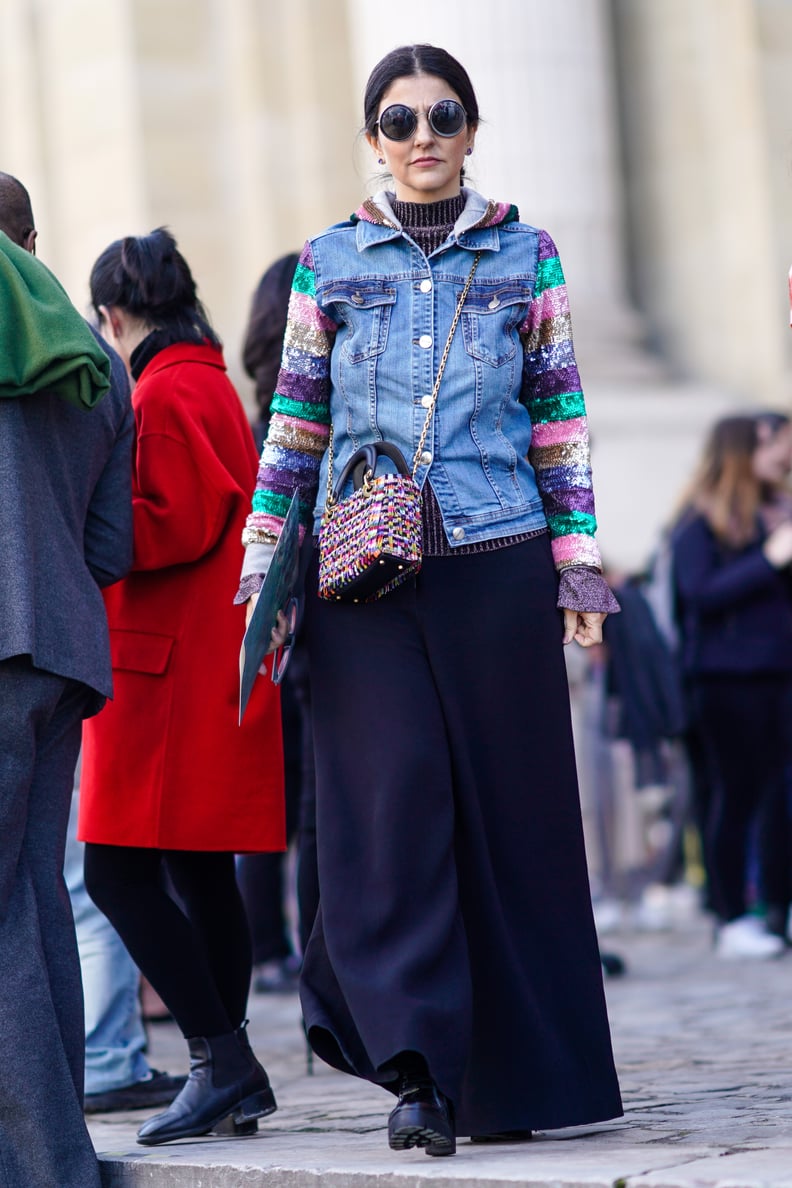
x,y
299,414
551,392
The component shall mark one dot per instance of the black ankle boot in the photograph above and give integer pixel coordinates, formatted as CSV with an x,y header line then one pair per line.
x,y
424,1117
226,1085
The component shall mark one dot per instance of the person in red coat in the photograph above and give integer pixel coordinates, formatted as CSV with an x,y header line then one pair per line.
x,y
172,787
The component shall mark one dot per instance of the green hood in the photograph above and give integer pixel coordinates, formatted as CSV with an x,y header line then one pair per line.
x,y
45,345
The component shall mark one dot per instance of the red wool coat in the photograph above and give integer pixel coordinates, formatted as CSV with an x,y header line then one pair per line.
x,y
165,764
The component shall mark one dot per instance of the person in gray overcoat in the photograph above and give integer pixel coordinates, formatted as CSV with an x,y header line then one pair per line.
x,y
66,530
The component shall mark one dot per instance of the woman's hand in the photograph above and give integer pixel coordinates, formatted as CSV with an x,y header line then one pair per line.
x,y
280,633
778,546
583,626
281,630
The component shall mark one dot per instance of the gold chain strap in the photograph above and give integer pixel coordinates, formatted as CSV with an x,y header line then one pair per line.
x,y
430,411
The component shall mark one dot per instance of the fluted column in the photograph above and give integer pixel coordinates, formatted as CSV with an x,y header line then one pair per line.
x,y
699,177
70,125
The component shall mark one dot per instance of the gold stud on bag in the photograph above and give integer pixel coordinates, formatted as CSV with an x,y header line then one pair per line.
x,y
370,542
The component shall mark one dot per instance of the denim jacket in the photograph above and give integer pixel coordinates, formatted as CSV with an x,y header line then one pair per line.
x,y
507,448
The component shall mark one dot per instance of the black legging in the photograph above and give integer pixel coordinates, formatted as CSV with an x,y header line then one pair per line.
x,y
745,731
196,954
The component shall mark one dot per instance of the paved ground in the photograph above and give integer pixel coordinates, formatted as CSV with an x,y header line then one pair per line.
x,y
704,1051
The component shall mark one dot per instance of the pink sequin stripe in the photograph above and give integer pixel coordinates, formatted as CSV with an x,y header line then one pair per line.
x,y
551,303
559,432
293,425
575,549
303,311
501,210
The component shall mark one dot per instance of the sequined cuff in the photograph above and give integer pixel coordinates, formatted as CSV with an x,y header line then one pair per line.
x,y
584,589
251,584
252,535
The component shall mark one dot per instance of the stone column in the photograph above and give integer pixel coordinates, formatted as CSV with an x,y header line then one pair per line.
x,y
699,189
70,126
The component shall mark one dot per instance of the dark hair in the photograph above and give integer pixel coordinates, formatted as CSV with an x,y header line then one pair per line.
x,y
410,60
724,488
16,214
261,352
147,276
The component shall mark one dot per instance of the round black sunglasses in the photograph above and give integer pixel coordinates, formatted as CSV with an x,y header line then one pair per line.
x,y
446,118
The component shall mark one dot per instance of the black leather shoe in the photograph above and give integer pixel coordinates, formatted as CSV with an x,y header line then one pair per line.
x,y
226,1085
158,1089
424,1117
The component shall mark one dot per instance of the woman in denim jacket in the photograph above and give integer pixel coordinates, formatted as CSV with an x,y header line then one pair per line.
x,y
454,958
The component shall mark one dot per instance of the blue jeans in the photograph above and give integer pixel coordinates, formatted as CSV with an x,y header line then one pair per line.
x,y
114,1035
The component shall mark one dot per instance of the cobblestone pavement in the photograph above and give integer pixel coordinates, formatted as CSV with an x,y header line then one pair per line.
x,y
704,1051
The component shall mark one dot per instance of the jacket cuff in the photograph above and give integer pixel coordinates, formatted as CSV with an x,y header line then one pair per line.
x,y
249,586
584,589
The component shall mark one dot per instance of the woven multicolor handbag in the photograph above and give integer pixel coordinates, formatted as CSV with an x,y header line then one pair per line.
x,y
370,542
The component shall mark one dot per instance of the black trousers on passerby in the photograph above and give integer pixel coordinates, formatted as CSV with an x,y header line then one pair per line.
x,y
455,918
746,731
196,953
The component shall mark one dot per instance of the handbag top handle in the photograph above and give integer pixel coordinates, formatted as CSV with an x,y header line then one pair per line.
x,y
330,499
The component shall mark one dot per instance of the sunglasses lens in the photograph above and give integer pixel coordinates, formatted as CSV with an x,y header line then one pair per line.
x,y
397,122
447,117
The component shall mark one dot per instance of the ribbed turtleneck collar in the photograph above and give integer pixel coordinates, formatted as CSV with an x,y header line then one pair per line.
x,y
429,223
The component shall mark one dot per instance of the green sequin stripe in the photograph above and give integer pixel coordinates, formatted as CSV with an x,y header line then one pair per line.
x,y
567,523
304,280
272,504
301,409
549,275
565,407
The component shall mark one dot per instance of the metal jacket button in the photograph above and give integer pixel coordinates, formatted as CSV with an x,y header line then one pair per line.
x,y
426,286
426,458
426,401
425,341
494,303
458,534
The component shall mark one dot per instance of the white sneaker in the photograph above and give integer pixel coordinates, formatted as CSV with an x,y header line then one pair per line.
x,y
744,937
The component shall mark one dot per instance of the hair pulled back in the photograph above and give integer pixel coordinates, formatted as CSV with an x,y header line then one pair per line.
x,y
148,277
409,60
263,345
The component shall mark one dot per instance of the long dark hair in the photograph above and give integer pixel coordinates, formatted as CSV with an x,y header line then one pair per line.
x,y
724,489
263,346
409,60
147,276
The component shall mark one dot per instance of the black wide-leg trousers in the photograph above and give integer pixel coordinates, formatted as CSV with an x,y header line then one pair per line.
x,y
455,917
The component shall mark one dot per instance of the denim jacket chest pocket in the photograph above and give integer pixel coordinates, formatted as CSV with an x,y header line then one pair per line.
x,y
362,309
490,316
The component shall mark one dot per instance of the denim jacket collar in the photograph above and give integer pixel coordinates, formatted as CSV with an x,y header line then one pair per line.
x,y
376,222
